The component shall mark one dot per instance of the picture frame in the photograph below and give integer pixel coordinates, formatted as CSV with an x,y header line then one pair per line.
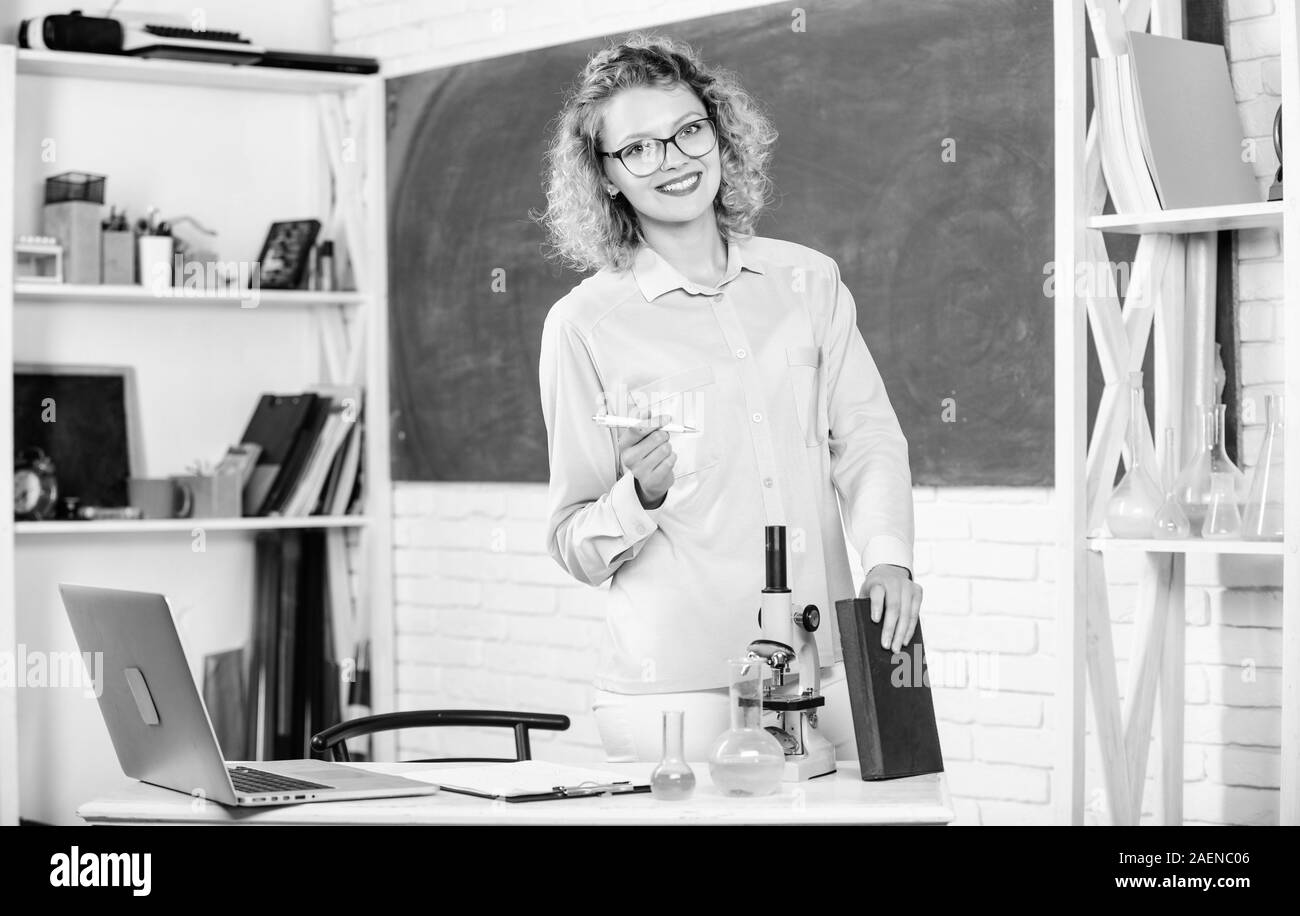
x,y
96,443
282,263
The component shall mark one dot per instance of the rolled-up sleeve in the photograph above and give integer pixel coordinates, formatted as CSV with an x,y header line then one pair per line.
x,y
596,521
869,464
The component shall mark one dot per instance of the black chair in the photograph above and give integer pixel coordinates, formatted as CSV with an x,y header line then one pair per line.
x,y
332,741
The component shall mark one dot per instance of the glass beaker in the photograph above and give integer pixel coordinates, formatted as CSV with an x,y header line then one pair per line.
x,y
1134,502
1222,518
746,760
1170,521
1262,519
672,779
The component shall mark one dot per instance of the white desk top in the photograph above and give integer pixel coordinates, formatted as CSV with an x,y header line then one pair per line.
x,y
841,798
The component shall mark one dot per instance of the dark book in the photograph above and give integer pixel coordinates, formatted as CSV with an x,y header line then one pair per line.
x,y
260,695
275,425
295,464
322,504
893,710
286,646
315,694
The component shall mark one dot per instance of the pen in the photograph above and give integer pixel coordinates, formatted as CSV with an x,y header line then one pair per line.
x,y
627,422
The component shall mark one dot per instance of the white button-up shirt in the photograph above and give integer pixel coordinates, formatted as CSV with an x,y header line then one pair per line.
x,y
770,368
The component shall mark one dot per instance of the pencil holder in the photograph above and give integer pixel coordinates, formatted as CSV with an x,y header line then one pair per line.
x,y
118,249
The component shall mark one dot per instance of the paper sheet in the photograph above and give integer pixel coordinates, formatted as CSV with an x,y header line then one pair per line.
x,y
525,777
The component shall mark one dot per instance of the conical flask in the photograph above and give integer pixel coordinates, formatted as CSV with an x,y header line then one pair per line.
x,y
1133,503
1262,518
1222,517
1219,460
1193,486
1170,521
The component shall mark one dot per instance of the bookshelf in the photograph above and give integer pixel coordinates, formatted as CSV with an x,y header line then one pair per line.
x,y
1189,545
1155,671
1265,215
106,67
329,128
82,294
186,525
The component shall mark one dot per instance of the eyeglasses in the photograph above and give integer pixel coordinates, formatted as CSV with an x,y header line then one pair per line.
x,y
643,157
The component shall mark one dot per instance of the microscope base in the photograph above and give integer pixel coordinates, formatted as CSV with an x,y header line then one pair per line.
x,y
817,762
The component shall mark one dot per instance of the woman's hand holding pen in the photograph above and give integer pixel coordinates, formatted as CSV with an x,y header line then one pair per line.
x,y
647,453
891,591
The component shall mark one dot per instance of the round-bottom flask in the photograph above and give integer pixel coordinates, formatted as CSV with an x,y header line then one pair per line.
x,y
746,760
672,779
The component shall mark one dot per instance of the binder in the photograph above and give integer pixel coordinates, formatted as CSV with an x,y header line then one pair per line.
x,y
336,401
299,454
1191,129
893,710
533,780
274,426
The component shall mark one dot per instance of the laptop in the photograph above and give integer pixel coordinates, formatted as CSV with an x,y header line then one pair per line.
x,y
160,727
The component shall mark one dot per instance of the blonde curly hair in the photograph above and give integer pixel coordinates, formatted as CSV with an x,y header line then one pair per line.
x,y
587,229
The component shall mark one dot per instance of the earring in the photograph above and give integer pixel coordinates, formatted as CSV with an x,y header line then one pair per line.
x,y
613,192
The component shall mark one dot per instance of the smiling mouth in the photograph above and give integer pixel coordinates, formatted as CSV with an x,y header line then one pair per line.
x,y
681,185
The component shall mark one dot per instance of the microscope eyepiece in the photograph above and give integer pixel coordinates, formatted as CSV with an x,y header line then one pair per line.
x,y
775,556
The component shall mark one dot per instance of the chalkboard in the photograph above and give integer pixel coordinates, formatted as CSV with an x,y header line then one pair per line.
x,y
915,148
83,418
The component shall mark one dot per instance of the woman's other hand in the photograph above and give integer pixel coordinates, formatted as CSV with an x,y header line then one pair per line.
x,y
891,591
647,453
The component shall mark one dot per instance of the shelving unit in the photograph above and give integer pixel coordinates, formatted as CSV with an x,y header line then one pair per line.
x,y
81,294
1265,215
186,525
1189,545
1172,244
103,67
347,339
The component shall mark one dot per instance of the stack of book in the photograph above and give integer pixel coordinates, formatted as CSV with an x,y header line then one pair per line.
x,y
311,452
1168,126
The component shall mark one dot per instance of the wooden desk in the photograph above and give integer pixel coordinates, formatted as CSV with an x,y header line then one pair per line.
x,y
841,798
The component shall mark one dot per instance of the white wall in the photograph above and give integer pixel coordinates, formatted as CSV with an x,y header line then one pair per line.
x,y
486,618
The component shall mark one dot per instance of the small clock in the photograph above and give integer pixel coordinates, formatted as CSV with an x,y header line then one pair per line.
x,y
36,489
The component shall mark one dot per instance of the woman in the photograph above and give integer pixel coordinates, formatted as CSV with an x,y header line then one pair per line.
x,y
657,172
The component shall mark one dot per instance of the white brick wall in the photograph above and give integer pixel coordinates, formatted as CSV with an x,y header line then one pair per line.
x,y
486,619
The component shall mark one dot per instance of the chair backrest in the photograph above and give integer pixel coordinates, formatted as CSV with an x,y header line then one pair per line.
x,y
333,740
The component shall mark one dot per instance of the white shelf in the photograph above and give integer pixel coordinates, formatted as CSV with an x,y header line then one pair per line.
x,y
186,525
1187,545
183,73
249,300
1264,215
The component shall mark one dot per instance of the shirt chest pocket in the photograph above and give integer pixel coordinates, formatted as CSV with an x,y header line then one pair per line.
x,y
689,397
805,369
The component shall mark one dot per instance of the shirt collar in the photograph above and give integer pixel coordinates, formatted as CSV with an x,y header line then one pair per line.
x,y
655,276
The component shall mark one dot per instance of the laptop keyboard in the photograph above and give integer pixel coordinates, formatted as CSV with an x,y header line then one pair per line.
x,y
259,782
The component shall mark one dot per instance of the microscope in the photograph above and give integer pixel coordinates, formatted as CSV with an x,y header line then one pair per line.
x,y
792,695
